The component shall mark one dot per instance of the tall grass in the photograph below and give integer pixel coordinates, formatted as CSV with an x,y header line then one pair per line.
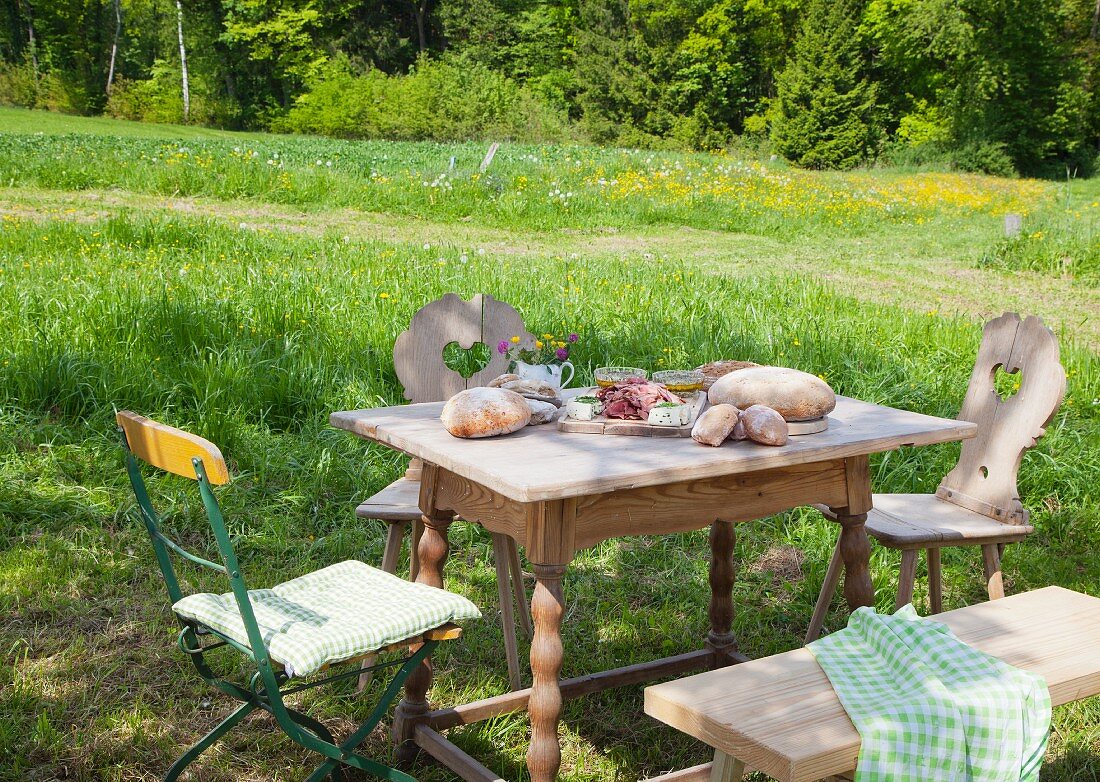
x,y
526,186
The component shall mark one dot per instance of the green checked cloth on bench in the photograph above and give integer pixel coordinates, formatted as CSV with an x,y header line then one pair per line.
x,y
929,707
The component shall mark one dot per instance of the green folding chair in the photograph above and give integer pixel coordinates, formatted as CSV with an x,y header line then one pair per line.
x,y
342,613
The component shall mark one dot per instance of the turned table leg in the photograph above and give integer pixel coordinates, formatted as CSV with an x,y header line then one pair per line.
x,y
433,550
855,550
547,609
723,537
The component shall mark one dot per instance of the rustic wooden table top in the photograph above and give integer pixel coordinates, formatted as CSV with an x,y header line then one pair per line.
x,y
542,463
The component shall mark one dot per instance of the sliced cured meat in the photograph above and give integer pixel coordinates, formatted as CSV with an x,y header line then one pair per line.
x,y
633,398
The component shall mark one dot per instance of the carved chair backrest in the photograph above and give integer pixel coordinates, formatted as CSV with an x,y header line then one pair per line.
x,y
418,351
984,479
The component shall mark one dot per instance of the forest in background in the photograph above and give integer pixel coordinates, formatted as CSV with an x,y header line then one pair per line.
x,y
999,86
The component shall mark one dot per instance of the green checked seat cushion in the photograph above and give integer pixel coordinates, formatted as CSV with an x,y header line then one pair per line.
x,y
335,613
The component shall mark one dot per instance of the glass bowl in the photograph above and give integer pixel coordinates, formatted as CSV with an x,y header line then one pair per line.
x,y
609,376
680,381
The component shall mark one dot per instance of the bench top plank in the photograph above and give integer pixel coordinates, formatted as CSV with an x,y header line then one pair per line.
x,y
541,463
780,715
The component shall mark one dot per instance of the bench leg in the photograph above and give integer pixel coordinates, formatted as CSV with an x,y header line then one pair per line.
x,y
907,577
993,580
726,768
825,597
502,562
935,580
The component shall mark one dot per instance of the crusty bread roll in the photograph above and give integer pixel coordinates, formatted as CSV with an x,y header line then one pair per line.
x,y
764,425
715,425
485,412
795,395
541,412
535,389
500,380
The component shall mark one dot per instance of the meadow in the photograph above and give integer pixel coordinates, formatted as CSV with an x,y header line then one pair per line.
x,y
239,286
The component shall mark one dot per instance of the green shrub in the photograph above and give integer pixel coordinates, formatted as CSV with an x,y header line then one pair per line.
x,y
985,158
978,158
924,125
440,100
756,125
160,99
20,86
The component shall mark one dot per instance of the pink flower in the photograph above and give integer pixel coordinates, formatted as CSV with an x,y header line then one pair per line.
x,y
572,338
562,353
502,347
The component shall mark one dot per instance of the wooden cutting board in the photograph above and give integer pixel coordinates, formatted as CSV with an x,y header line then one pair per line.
x,y
603,425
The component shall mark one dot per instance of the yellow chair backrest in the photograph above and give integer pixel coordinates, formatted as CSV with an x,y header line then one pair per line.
x,y
172,449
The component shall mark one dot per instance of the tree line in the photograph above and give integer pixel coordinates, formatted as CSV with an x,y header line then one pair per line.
x,y
992,85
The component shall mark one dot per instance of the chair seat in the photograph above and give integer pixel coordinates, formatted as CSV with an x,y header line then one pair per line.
x,y
336,613
925,521
400,501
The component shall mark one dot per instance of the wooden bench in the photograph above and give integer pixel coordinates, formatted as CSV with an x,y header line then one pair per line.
x,y
781,716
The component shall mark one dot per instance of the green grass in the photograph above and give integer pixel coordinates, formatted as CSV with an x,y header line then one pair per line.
x,y
248,319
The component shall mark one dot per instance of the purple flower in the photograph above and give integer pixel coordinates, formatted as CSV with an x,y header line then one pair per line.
x,y
572,338
502,347
562,353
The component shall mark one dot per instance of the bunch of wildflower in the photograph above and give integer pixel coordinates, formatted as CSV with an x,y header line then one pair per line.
x,y
547,349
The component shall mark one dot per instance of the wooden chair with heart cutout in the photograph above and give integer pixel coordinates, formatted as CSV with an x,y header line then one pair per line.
x,y
977,503
452,327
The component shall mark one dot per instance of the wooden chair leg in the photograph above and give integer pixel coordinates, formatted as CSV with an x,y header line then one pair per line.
x,y
907,577
726,768
935,581
518,589
395,536
508,622
825,597
994,583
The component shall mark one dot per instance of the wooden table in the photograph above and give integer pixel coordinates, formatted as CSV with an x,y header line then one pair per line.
x,y
557,493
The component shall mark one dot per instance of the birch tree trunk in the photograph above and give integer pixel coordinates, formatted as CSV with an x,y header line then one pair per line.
x,y
421,13
183,64
1095,21
114,45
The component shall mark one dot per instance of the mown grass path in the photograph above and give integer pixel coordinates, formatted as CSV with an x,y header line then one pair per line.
x,y
249,318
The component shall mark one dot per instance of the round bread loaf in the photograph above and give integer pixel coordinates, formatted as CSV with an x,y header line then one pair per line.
x,y
764,425
795,395
716,369
715,425
485,412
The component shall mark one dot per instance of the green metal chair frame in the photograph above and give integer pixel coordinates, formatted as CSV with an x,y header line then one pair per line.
x,y
265,687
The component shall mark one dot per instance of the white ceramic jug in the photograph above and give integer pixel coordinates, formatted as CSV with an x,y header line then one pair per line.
x,y
550,373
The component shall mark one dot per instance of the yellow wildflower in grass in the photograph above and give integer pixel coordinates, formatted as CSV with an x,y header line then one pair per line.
x,y
515,340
